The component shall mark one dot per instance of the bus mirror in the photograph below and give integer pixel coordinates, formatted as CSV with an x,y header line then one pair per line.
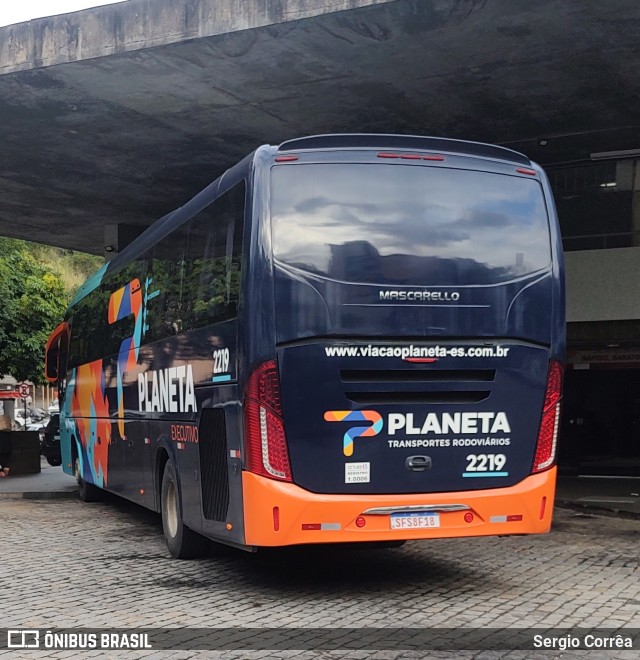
x,y
52,352
51,365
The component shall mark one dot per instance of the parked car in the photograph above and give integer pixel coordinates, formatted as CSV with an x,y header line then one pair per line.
x,y
38,414
38,425
21,417
50,441
38,419
54,408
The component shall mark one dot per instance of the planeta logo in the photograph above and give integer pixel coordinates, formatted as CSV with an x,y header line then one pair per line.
x,y
356,431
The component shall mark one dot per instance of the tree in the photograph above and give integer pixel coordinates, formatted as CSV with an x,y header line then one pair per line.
x,y
32,303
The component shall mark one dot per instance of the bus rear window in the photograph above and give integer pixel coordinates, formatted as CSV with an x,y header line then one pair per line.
x,y
404,224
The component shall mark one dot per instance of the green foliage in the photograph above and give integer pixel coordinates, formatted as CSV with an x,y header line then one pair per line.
x,y
34,297
73,267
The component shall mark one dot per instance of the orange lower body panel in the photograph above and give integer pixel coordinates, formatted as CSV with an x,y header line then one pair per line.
x,y
278,513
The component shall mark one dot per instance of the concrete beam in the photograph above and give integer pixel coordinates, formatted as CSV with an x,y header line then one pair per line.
x,y
141,24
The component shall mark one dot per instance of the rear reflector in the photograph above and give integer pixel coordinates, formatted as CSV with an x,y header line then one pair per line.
x,y
516,517
265,440
324,527
285,159
543,507
548,436
526,170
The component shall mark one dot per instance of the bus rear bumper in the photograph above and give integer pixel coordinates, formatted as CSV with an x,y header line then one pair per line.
x,y
278,513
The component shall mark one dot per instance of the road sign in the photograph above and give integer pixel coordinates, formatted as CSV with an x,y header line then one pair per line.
x,y
24,390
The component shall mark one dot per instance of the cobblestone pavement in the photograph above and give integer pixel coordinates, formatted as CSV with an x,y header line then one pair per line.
x,y
66,564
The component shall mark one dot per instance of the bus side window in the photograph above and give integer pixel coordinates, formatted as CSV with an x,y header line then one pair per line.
x,y
196,270
88,329
213,259
92,336
74,357
167,311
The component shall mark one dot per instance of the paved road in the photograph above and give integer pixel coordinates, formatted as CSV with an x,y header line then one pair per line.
x,y
66,564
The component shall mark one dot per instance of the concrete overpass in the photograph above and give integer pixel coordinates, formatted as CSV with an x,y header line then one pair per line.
x,y
118,114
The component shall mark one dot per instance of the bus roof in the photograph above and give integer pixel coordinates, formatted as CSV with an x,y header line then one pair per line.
x,y
413,142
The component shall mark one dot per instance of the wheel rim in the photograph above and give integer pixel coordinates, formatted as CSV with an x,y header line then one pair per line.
x,y
76,471
172,510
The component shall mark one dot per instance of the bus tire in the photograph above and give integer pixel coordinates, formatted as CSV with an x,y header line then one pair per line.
x,y
87,492
183,543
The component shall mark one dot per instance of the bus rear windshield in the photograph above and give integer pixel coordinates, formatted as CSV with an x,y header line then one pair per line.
x,y
406,224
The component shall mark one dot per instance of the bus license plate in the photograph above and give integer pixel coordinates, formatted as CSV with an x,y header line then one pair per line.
x,y
414,520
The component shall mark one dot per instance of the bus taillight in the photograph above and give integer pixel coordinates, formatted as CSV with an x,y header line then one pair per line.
x,y
548,435
265,439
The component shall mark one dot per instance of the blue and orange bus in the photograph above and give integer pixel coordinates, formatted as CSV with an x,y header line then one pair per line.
x,y
344,338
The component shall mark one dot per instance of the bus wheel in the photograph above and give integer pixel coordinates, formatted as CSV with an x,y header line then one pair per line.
x,y
183,543
87,492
